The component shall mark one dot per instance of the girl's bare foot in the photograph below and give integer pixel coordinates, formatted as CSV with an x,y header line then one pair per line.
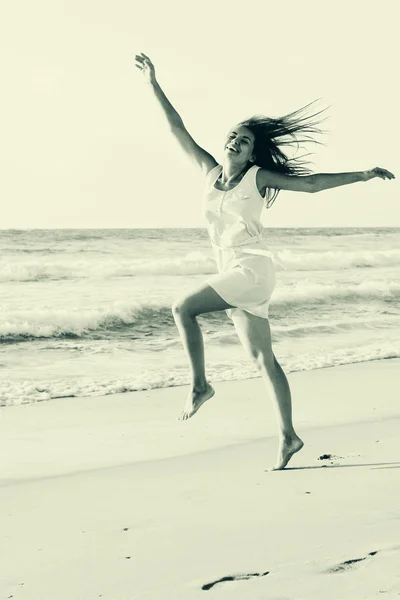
x,y
287,447
194,400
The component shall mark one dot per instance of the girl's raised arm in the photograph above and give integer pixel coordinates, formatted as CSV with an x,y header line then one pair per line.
x,y
198,155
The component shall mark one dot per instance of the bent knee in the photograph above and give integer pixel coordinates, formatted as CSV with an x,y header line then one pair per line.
x,y
181,308
176,307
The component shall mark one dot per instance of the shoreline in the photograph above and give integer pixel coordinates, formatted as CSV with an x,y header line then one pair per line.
x,y
179,385
91,432
211,381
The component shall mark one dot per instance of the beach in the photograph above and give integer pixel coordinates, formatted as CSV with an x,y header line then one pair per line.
x,y
113,497
113,219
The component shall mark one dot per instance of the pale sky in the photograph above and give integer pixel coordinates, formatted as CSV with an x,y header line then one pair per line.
x,y
84,143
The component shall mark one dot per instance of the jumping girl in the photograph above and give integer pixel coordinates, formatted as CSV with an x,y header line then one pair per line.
x,y
253,170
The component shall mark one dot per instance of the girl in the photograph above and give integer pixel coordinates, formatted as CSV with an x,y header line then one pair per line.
x,y
254,168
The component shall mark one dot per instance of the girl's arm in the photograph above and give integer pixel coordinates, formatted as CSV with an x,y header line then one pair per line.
x,y
198,155
325,181
317,182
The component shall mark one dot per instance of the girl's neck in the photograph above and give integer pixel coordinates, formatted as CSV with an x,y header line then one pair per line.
x,y
232,173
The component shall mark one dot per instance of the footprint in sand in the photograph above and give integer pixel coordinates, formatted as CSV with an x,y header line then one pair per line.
x,y
348,564
208,586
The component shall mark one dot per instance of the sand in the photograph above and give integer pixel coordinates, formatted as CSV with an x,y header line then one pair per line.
x,y
112,497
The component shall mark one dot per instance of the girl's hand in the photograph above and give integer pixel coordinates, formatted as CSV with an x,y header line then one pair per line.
x,y
144,63
378,172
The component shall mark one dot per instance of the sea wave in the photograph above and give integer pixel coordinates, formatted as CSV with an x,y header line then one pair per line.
x,y
337,259
44,323
193,263
308,291
302,330
120,316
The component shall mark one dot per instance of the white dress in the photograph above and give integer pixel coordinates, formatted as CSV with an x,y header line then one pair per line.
x,y
246,272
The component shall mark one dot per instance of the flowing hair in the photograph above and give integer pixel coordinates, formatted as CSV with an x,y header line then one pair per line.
x,y
271,134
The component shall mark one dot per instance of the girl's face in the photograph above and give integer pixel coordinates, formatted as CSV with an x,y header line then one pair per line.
x,y
239,145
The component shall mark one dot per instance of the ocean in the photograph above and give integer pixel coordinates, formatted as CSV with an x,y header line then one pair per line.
x,y
88,312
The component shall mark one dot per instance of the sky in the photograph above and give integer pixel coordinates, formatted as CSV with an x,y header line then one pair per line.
x,y
84,143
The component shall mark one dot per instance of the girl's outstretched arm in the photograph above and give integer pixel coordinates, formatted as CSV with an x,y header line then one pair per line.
x,y
324,181
198,155
316,182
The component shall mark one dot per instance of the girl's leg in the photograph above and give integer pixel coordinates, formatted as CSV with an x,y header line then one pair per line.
x,y
185,310
255,336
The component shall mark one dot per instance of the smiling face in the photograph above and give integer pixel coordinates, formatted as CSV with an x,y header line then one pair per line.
x,y
239,146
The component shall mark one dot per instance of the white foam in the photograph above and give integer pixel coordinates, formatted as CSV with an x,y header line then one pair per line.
x,y
22,392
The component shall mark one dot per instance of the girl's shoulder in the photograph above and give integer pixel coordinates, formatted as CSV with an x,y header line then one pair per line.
x,y
214,172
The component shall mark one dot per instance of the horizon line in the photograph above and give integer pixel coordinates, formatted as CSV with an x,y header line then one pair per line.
x,y
204,228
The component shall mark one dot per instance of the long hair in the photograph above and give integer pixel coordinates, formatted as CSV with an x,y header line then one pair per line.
x,y
271,134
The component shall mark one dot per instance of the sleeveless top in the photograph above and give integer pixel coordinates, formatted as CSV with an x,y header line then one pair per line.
x,y
234,217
